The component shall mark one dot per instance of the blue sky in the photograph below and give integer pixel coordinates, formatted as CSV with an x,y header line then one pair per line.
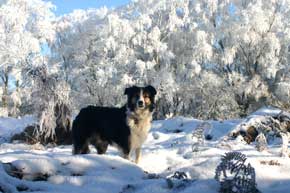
x,y
67,6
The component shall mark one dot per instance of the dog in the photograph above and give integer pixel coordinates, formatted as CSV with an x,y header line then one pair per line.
x,y
126,127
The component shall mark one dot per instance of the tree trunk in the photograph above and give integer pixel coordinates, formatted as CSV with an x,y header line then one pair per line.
x,y
5,91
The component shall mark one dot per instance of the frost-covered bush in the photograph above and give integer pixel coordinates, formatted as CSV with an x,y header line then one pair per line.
x,y
51,101
285,142
261,142
234,175
270,126
198,136
179,180
250,94
282,92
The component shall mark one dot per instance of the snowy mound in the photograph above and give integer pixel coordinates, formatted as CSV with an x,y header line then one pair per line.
x,y
10,126
57,171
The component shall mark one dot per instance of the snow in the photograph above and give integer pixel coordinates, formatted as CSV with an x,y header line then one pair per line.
x,y
10,126
168,149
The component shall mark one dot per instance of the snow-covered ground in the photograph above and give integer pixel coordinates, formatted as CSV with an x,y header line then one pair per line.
x,y
169,148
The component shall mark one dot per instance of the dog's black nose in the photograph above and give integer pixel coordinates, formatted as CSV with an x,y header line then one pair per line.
x,y
140,104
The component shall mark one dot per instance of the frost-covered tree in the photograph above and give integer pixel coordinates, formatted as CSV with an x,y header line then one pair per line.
x,y
253,41
91,59
208,59
24,27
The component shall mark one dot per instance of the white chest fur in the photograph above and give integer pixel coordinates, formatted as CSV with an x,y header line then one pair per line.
x,y
139,124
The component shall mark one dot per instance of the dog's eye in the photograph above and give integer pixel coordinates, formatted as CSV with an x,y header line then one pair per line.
x,y
146,95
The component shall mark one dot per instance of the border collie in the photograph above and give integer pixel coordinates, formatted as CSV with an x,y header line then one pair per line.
x,y
125,127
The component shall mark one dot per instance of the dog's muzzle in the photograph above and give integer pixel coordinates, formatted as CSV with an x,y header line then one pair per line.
x,y
140,104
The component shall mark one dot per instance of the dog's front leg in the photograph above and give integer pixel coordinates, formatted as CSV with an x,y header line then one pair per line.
x,y
138,155
126,154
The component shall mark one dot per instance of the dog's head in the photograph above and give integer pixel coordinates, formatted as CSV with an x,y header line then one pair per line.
x,y
140,98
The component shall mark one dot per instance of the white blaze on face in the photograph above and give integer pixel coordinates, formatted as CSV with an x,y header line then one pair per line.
x,y
141,96
140,100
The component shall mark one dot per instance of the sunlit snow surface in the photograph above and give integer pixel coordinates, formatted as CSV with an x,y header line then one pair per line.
x,y
167,149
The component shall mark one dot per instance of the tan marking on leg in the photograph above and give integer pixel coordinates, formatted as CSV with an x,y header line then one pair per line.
x,y
138,155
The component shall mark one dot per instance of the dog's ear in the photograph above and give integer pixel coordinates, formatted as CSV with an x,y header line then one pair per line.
x,y
151,89
130,90
127,91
